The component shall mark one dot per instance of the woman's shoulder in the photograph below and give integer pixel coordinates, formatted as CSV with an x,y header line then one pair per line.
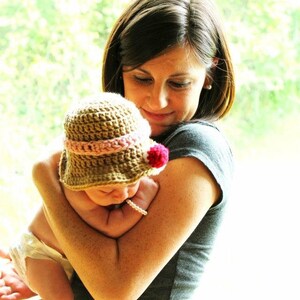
x,y
206,142
197,136
186,129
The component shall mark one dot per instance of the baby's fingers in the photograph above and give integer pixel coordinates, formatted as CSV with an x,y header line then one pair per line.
x,y
13,296
4,290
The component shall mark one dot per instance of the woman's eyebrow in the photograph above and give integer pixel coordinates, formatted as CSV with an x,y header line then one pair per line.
x,y
142,70
179,74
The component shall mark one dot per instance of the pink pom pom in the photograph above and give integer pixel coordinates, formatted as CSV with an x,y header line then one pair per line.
x,y
158,156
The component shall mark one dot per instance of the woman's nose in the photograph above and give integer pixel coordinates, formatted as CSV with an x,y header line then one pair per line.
x,y
158,98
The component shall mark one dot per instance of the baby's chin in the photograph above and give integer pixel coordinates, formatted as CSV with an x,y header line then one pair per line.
x,y
114,206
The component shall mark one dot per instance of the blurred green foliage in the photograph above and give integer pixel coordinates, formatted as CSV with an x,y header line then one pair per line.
x,y
50,55
51,51
265,39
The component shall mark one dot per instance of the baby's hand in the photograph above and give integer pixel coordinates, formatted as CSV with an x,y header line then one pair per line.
x,y
11,285
146,193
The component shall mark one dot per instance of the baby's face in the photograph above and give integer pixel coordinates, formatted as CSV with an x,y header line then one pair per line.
x,y
112,194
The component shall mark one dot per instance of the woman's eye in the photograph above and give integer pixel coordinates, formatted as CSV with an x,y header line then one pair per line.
x,y
179,85
143,80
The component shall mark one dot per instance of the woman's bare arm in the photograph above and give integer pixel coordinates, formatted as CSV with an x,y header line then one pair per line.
x,y
124,268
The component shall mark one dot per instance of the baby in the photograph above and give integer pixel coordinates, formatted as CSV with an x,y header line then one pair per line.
x,y
104,169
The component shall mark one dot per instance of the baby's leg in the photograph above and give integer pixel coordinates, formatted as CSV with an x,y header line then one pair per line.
x,y
47,278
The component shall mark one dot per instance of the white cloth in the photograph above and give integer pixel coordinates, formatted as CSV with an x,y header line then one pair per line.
x,y
30,246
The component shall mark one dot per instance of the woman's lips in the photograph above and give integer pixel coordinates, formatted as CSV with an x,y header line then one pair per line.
x,y
155,116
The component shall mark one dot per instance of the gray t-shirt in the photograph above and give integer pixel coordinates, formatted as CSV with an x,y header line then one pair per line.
x,y
180,277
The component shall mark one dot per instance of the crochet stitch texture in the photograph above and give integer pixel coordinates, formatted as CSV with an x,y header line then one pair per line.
x,y
106,142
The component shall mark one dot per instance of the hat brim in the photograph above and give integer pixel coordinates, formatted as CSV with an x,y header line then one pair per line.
x,y
79,172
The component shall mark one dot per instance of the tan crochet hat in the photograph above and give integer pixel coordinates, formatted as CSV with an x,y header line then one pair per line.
x,y
107,142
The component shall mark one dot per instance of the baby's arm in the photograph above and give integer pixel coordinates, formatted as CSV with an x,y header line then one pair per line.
x,y
124,218
115,222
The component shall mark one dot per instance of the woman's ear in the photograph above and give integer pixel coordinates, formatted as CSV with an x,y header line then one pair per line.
x,y
215,62
209,77
207,86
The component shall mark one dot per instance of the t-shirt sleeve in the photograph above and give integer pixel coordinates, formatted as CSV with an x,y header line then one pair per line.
x,y
206,143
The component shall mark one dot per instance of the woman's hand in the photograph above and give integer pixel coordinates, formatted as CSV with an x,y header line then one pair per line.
x,y
11,285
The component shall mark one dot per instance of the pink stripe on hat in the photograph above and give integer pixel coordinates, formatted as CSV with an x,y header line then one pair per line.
x,y
101,147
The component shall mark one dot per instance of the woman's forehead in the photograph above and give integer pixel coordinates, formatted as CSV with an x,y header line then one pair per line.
x,y
179,60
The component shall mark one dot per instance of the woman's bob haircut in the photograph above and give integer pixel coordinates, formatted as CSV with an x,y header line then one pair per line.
x,y
149,28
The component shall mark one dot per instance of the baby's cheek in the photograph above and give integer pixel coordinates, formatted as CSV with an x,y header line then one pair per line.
x,y
132,192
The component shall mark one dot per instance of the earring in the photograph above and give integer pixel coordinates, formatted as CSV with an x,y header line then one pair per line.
x,y
208,87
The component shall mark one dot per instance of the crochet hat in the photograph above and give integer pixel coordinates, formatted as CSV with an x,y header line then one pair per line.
x,y
107,142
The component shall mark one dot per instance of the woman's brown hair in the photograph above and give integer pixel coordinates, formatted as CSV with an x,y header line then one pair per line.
x,y
149,28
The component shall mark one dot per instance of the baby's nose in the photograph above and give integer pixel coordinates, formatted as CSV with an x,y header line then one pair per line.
x,y
120,195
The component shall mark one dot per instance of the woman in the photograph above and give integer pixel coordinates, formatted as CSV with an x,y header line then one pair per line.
x,y
170,58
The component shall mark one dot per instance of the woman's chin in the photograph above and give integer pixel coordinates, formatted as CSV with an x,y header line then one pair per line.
x,y
157,130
